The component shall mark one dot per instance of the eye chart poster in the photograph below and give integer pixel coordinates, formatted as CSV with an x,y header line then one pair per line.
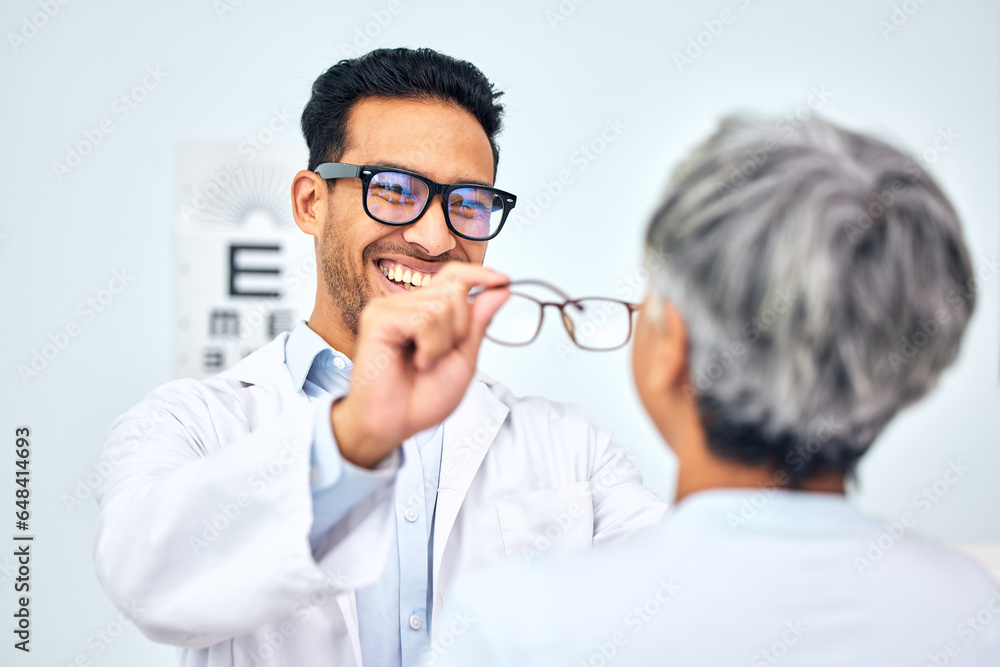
x,y
245,272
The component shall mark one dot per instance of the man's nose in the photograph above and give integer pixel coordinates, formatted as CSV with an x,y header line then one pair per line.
x,y
431,231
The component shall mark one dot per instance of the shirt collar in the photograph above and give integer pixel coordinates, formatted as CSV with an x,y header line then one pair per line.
x,y
769,511
304,349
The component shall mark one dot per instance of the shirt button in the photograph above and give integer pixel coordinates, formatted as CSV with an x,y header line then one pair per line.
x,y
339,363
415,622
411,516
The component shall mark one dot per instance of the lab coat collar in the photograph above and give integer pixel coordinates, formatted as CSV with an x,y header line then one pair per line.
x,y
266,366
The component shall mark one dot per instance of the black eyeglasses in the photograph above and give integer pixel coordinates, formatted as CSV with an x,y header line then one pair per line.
x,y
593,323
399,197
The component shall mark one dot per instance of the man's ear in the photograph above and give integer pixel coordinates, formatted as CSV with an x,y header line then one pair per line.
x,y
309,202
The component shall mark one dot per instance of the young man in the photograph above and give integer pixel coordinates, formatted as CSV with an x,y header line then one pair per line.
x,y
770,353
311,505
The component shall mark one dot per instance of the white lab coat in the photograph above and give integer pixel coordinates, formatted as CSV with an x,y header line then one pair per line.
x,y
205,515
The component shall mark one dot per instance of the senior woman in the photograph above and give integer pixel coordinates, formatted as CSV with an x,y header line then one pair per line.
x,y
815,283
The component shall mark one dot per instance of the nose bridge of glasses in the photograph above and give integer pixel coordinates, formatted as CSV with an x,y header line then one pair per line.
x,y
430,228
568,323
434,190
559,306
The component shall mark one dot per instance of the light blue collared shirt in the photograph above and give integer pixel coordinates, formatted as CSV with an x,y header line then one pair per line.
x,y
394,612
753,576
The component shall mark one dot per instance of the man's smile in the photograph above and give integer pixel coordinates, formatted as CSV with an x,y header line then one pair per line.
x,y
407,273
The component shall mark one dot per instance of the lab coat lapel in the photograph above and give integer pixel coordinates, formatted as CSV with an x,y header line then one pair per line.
x,y
272,391
468,434
265,366
265,369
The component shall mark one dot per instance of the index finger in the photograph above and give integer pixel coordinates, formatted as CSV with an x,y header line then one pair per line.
x,y
470,275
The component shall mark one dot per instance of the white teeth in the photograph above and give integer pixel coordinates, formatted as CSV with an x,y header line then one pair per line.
x,y
407,278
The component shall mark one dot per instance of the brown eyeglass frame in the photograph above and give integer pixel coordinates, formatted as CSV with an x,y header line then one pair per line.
x,y
561,306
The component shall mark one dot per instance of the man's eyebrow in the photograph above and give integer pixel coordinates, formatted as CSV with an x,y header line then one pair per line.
x,y
395,165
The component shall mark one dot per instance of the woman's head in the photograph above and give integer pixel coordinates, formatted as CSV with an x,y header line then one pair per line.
x,y
822,283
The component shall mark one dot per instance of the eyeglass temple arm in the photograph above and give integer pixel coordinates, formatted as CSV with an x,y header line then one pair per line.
x,y
632,307
329,170
528,281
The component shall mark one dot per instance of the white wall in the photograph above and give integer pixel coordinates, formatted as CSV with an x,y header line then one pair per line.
x,y
60,240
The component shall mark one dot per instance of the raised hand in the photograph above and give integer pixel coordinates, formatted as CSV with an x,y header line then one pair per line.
x,y
415,357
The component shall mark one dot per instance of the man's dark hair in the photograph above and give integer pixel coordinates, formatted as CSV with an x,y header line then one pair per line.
x,y
413,74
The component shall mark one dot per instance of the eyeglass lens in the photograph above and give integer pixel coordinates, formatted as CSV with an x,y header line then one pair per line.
x,y
593,323
399,198
598,324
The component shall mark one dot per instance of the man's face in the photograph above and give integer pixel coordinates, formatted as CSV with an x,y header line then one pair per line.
x,y
354,252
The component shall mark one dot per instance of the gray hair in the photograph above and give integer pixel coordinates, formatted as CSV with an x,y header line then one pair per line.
x,y
823,280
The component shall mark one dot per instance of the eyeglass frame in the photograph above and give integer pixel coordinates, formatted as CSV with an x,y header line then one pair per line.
x,y
567,322
332,170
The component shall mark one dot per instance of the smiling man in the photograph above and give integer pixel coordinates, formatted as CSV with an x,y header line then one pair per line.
x,y
313,504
